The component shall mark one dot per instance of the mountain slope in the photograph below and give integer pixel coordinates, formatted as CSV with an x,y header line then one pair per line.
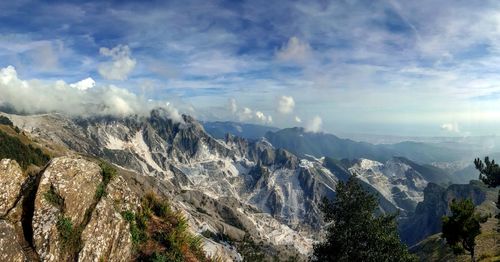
x,y
426,219
233,189
274,195
302,143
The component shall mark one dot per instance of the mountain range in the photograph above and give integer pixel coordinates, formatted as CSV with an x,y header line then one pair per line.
x,y
231,189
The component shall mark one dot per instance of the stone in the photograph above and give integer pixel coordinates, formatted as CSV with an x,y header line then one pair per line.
x,y
11,181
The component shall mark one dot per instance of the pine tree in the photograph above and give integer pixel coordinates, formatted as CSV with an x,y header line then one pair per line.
x,y
489,173
354,233
461,228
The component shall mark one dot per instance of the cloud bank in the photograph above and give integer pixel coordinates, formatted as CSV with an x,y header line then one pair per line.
x,y
82,98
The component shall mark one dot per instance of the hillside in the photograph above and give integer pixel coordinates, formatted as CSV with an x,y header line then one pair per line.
x,y
78,208
302,143
243,199
434,248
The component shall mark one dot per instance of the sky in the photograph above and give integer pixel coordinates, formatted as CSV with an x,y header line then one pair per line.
x,y
410,68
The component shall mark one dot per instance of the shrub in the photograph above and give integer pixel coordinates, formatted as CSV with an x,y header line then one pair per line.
x,y
160,234
53,198
100,191
5,121
108,172
69,235
11,147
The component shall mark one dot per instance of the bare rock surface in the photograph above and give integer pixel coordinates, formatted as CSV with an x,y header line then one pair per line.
x,y
10,246
107,236
11,181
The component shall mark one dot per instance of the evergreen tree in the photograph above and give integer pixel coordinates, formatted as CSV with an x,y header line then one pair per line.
x,y
354,233
489,173
461,228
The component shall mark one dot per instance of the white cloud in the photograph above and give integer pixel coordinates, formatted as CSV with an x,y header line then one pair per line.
x,y
232,106
261,117
314,125
121,64
84,84
298,120
450,127
286,104
35,96
295,50
245,114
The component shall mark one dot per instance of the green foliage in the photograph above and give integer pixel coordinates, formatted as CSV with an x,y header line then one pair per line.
x,y
52,197
108,172
137,225
153,205
100,191
461,228
354,233
250,251
160,234
159,257
5,121
489,171
11,147
69,235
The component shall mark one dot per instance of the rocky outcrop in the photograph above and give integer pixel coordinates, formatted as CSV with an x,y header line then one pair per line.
x,y
66,213
66,190
10,245
11,181
427,217
107,234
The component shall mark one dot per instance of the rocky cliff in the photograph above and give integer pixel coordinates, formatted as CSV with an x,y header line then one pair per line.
x,y
59,214
426,220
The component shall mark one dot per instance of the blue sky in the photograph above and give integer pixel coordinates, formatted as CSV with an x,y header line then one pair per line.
x,y
380,67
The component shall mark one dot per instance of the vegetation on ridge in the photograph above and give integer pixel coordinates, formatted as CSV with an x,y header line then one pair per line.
x,y
25,154
461,228
161,234
354,233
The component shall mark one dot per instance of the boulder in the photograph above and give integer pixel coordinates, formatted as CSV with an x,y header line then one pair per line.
x,y
10,246
74,180
11,181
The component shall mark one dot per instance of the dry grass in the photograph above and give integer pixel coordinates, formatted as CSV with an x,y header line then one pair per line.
x,y
487,246
161,234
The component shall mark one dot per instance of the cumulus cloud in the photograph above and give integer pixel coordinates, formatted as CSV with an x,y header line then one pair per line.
x,y
450,127
314,125
121,64
246,114
286,104
82,98
261,117
84,84
294,50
